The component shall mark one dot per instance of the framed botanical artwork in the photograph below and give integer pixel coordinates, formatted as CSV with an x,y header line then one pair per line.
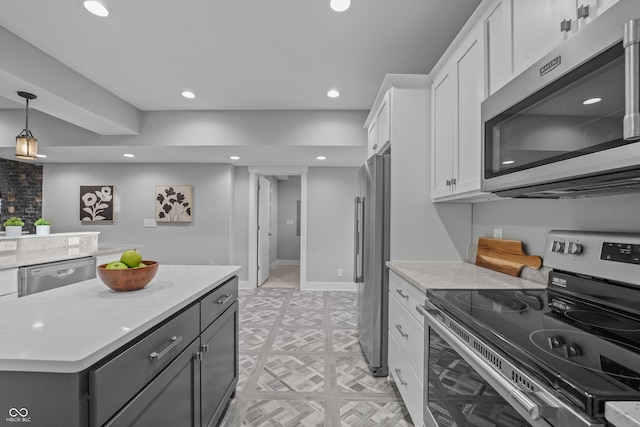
x,y
174,203
96,203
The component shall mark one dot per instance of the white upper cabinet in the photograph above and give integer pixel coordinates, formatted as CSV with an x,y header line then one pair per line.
x,y
499,45
457,91
380,128
541,25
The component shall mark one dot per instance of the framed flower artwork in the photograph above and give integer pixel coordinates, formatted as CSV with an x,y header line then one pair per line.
x,y
96,203
174,203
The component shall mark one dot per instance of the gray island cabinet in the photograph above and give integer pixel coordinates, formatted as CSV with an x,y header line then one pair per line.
x,y
84,355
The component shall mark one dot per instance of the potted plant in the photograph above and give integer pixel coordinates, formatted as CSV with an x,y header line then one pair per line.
x,y
13,226
43,226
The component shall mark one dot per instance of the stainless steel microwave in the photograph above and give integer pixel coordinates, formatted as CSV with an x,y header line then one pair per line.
x,y
569,126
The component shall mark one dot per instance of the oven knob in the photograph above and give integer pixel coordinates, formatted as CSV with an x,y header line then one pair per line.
x,y
555,341
571,350
575,248
557,247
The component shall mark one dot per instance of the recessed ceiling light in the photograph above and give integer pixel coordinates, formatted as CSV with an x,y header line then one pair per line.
x,y
591,101
96,8
340,5
234,158
41,156
128,155
333,93
508,162
321,158
188,94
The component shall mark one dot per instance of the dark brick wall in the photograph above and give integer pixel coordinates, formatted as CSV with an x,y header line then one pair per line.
x,y
21,192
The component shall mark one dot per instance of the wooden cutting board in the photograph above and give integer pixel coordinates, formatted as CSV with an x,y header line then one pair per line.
x,y
505,256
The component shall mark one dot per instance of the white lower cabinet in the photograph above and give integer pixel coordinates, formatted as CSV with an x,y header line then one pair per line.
x,y
406,344
9,282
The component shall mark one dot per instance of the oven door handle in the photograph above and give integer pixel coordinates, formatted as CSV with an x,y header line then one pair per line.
x,y
532,408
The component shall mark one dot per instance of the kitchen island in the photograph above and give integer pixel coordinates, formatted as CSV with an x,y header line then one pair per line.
x,y
86,355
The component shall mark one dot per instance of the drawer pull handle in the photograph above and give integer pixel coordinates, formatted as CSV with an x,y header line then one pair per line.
x,y
403,333
174,342
402,294
402,381
224,299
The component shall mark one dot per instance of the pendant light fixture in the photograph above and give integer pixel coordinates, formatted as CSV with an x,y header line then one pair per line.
x,y
26,144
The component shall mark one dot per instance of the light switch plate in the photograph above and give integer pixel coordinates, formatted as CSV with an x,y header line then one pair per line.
x,y
150,222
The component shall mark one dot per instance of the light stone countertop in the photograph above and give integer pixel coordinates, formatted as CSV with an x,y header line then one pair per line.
x,y
461,275
68,329
21,259
623,414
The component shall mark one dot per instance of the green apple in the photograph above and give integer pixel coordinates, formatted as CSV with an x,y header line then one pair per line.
x,y
131,258
116,265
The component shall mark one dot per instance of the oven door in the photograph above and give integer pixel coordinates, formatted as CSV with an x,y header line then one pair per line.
x,y
464,385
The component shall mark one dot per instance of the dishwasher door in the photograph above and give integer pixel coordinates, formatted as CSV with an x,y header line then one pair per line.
x,y
43,277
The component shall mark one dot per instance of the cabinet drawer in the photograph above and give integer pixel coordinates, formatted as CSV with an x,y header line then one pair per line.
x,y
171,399
408,333
112,384
408,295
410,386
214,304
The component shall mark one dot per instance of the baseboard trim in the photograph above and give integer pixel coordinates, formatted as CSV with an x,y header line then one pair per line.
x,y
244,284
329,286
285,262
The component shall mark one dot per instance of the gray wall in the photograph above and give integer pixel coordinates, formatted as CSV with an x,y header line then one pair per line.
x,y
531,220
288,195
206,240
240,221
330,193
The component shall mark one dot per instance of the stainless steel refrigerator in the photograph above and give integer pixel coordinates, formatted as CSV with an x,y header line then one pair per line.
x,y
371,252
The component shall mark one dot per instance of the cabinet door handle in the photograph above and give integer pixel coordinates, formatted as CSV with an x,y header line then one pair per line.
x,y
565,25
448,183
402,381
224,299
174,342
403,333
402,294
453,181
204,348
583,11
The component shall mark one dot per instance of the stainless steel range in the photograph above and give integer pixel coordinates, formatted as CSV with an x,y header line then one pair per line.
x,y
545,357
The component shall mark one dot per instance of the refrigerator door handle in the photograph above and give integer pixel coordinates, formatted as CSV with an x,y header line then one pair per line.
x,y
358,275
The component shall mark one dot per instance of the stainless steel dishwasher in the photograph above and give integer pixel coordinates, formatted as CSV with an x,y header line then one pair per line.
x,y
43,277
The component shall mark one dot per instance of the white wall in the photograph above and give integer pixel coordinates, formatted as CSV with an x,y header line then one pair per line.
x,y
531,220
330,193
206,240
288,242
240,219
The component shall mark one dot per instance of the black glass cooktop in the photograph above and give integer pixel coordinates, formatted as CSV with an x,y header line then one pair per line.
x,y
589,353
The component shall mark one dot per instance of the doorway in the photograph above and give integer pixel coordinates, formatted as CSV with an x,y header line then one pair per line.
x,y
286,222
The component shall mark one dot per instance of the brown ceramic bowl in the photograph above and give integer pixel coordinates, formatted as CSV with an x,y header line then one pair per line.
x,y
129,279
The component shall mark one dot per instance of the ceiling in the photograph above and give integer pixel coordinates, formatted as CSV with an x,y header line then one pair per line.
x,y
234,54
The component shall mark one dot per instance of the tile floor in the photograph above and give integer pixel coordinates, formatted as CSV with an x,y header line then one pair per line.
x,y
301,364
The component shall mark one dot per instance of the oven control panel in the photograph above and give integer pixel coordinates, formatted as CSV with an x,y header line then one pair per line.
x,y
607,255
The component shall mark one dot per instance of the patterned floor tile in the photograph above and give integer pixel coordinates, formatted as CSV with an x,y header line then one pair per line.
x,y
344,319
292,373
311,300
346,340
353,376
258,317
303,318
299,340
273,292
353,413
264,302
252,339
246,365
342,300
284,413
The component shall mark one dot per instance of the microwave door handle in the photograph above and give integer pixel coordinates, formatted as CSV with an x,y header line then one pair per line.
x,y
631,44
